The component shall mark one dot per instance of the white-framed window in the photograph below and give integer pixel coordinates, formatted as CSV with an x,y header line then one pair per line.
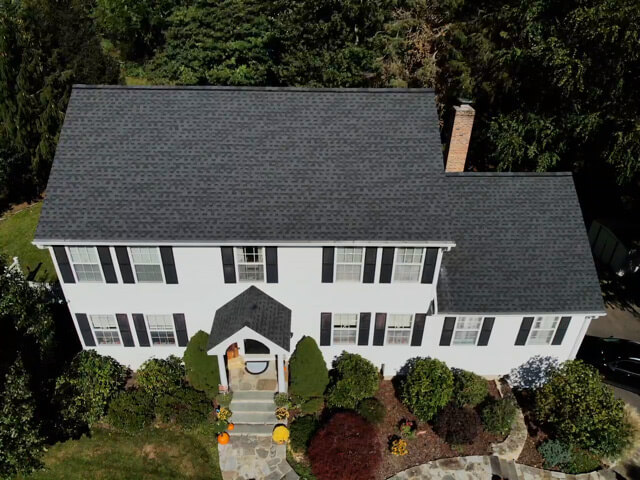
x,y
542,330
105,329
399,328
147,264
467,331
86,264
161,329
251,264
407,265
349,264
345,328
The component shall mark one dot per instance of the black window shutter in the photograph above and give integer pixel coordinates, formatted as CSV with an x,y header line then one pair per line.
x,y
181,329
325,329
141,330
107,265
228,265
429,265
327,264
370,264
560,332
363,329
485,332
271,254
85,329
125,330
63,265
447,331
168,265
125,264
378,332
525,327
418,329
386,267
431,308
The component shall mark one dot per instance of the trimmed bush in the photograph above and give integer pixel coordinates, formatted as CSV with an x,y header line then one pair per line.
x,y
582,461
469,389
498,415
131,410
281,400
201,369
186,407
161,376
313,405
556,454
301,430
458,425
308,375
580,410
347,447
371,410
354,378
427,388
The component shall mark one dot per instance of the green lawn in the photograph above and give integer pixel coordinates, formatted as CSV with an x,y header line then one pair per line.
x,y
16,233
153,454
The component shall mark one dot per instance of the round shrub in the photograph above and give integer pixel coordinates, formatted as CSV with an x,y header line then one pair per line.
x,y
313,405
582,411
186,407
555,453
458,425
347,447
201,369
469,389
281,400
308,375
582,461
427,388
301,431
371,410
354,378
131,410
498,415
161,376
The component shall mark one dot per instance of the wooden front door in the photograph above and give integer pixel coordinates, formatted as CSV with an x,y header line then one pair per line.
x,y
233,351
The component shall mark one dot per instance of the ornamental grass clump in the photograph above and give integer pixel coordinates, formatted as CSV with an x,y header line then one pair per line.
x,y
427,388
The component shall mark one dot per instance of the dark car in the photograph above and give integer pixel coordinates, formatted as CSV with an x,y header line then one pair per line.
x,y
617,359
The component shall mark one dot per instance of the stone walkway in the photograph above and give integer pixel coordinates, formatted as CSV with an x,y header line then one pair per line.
x,y
250,457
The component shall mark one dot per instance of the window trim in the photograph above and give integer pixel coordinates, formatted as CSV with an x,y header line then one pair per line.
x,y
93,330
173,329
393,265
237,262
555,329
133,264
335,265
357,328
410,329
73,265
455,329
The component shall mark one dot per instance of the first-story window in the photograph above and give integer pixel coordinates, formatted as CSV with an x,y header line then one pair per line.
x,y
250,264
161,329
349,261
408,264
467,330
105,329
86,264
543,330
147,264
345,327
399,329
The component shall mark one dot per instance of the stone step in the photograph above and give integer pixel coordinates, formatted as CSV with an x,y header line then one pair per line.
x,y
254,417
290,475
244,406
252,429
253,395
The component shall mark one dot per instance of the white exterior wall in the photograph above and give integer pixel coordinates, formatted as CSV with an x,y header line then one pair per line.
x,y
201,291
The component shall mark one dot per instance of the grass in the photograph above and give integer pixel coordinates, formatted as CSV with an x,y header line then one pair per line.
x,y
155,453
16,233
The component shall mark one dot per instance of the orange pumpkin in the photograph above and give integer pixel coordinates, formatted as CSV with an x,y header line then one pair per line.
x,y
231,426
223,438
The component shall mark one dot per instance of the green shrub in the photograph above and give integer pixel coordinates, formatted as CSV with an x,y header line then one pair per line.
x,y
281,400
427,388
556,454
301,431
86,387
498,415
371,410
201,369
354,378
224,399
469,389
186,407
312,405
161,376
308,375
580,410
220,426
582,461
131,410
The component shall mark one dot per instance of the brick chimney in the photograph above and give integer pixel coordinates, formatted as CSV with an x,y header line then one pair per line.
x,y
460,136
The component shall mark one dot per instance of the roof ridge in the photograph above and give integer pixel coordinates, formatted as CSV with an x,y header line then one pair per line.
x,y
251,88
509,174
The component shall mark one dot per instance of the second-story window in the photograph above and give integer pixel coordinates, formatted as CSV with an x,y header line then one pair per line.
x,y
408,264
105,329
543,330
86,264
345,327
467,330
147,264
250,264
349,261
161,329
399,329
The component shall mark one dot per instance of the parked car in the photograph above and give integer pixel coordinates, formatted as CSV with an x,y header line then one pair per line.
x,y
616,358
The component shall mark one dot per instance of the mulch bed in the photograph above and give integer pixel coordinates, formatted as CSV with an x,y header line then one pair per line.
x,y
530,455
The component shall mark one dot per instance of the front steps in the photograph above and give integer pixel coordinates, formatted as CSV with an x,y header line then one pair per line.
x,y
253,413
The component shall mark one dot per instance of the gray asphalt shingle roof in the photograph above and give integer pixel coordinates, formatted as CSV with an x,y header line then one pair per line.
x,y
226,164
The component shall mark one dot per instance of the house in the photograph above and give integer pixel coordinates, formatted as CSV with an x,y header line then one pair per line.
x,y
262,215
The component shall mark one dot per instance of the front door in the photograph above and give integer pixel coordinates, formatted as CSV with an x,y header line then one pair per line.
x,y
233,352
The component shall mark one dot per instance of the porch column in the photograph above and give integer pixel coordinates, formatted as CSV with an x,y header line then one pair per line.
x,y
282,384
223,371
